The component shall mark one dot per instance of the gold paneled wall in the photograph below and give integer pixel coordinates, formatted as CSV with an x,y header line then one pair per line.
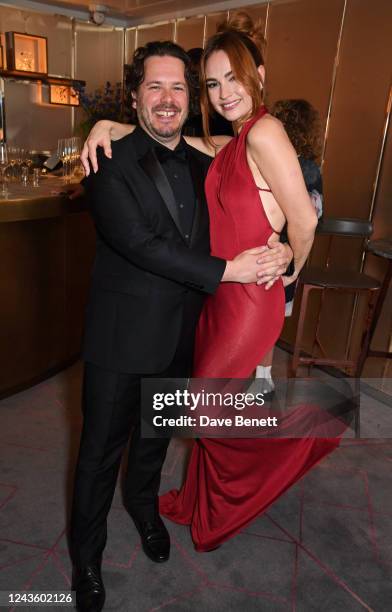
x,y
164,31
190,32
130,44
99,57
212,21
358,107
99,54
301,47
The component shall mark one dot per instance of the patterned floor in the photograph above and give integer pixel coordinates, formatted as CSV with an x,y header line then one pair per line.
x,y
325,545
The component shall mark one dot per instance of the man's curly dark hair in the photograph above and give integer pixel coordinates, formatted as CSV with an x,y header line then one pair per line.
x,y
134,72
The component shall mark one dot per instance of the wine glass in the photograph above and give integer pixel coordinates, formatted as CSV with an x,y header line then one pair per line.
x,y
3,167
75,145
68,158
29,159
12,153
60,148
22,155
62,152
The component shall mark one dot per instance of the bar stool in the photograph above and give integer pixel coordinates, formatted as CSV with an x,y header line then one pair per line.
x,y
348,281
380,248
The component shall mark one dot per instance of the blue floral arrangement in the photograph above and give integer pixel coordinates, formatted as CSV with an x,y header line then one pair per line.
x,y
106,102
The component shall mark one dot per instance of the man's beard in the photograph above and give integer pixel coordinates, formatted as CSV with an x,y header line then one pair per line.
x,y
164,133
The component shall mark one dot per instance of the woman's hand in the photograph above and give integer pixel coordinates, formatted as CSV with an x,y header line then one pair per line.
x,y
101,135
287,280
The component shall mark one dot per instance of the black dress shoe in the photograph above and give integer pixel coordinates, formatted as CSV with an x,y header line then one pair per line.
x,y
90,591
155,539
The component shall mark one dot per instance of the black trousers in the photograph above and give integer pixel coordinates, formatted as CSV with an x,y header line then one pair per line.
x,y
111,409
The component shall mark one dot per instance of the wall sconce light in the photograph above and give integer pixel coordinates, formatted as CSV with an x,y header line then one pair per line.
x,y
27,53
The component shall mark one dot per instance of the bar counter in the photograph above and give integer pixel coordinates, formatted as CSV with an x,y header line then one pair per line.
x,y
46,252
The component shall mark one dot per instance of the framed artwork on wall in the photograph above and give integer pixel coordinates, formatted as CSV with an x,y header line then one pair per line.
x,y
63,94
27,53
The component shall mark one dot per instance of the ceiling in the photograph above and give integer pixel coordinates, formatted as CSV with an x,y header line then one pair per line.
x,y
131,12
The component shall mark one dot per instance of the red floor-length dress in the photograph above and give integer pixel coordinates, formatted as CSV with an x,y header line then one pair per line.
x,y
229,482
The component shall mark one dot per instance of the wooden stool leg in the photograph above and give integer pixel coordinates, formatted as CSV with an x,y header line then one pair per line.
x,y
304,296
372,316
357,416
380,295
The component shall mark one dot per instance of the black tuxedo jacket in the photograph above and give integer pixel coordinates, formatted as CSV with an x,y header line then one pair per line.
x,y
144,268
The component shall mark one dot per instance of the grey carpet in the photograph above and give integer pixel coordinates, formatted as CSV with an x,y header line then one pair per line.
x,y
325,545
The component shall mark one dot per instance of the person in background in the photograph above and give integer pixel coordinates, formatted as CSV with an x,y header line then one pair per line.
x,y
193,125
302,124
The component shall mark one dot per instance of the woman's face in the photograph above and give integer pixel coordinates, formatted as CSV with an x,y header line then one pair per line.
x,y
228,97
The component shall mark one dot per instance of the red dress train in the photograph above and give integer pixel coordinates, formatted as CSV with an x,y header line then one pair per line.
x,y
229,482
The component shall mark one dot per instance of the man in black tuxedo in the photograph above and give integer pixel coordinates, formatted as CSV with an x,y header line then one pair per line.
x,y
151,273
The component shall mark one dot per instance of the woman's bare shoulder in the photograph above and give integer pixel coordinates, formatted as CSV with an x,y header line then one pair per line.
x,y
202,144
267,129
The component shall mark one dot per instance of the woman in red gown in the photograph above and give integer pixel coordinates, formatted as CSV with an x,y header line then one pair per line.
x,y
229,482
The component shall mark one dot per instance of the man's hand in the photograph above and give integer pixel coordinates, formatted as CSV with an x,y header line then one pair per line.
x,y
75,191
100,136
72,191
274,262
244,267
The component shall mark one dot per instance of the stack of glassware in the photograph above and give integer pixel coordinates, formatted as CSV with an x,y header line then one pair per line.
x,y
15,166
68,150
18,159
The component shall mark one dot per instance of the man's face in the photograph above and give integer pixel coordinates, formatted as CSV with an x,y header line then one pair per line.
x,y
162,100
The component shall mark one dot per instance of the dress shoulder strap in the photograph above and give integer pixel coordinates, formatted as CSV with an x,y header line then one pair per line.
x,y
248,124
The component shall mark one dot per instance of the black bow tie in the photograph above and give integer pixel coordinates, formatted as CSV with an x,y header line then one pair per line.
x,y
164,154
